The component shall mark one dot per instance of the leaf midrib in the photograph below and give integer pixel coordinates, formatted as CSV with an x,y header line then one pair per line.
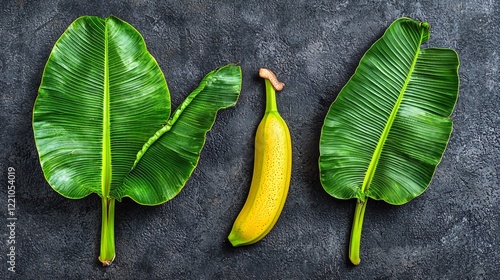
x,y
106,141
370,173
173,118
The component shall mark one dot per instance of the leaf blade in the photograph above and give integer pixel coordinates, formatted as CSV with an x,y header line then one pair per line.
x,y
357,135
162,168
83,102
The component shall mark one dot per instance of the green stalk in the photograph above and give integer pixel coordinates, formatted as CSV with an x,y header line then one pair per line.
x,y
270,98
357,225
108,231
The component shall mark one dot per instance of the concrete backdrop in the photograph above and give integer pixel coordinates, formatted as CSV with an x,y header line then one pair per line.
x,y
449,232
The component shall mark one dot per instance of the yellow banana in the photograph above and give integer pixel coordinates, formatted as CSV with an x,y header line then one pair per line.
x,y
271,174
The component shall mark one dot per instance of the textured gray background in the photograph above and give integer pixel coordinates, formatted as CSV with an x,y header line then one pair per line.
x,y
450,232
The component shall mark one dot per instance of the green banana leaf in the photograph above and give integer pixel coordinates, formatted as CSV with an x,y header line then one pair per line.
x,y
102,119
170,156
102,96
387,130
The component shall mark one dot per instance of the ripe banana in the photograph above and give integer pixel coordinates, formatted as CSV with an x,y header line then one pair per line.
x,y
271,175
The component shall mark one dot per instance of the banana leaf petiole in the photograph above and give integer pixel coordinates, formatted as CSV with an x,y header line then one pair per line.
x,y
107,231
357,226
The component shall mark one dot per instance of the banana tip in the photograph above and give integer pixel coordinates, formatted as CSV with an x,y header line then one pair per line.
x,y
236,242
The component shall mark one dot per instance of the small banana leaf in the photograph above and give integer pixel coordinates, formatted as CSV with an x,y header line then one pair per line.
x,y
102,119
170,156
387,130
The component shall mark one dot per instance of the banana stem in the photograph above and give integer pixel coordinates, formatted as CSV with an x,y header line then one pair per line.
x,y
270,98
107,231
357,225
272,85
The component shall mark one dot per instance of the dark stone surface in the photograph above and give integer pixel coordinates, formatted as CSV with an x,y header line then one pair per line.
x,y
450,232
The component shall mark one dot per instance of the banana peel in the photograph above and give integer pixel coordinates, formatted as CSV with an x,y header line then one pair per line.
x,y
271,174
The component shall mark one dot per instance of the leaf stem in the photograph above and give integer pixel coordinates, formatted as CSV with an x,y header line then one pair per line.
x,y
107,231
357,225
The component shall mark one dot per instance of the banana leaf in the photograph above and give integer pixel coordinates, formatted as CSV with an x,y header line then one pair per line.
x,y
102,120
387,130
